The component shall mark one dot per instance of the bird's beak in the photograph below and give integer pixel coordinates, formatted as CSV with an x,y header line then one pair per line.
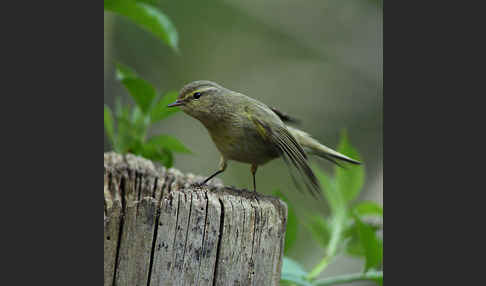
x,y
177,103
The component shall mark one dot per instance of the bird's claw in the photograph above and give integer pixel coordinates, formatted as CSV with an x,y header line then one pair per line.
x,y
198,185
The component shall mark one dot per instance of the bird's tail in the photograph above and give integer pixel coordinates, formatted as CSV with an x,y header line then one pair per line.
x,y
314,147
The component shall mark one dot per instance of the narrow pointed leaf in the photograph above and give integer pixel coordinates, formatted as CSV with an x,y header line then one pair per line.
x,y
169,143
141,91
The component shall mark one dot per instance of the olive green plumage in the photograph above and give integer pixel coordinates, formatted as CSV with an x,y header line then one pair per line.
x,y
246,130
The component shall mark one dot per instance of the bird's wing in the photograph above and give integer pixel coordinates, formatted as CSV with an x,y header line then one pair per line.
x,y
284,116
313,146
291,151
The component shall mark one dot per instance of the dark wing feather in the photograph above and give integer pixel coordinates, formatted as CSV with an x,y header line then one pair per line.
x,y
329,158
284,116
292,152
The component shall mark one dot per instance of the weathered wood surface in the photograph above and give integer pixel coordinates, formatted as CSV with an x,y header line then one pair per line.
x,y
158,230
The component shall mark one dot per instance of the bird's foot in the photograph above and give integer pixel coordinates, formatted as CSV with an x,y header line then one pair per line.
x,y
198,184
255,195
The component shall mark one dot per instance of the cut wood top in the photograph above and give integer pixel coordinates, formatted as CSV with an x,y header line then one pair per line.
x,y
162,230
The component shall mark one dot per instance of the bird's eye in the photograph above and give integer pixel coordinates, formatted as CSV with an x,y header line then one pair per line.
x,y
197,95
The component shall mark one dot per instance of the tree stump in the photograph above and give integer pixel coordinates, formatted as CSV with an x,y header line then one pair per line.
x,y
160,230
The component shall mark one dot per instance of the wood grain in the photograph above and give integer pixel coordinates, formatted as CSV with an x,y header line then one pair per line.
x,y
161,230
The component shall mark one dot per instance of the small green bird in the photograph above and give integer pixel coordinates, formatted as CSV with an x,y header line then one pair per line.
x,y
248,131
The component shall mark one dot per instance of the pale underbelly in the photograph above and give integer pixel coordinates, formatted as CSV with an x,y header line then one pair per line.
x,y
247,147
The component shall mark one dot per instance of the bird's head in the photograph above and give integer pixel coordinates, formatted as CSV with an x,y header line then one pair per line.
x,y
200,99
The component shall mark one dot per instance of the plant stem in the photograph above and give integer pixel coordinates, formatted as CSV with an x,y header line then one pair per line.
x,y
372,275
336,233
318,268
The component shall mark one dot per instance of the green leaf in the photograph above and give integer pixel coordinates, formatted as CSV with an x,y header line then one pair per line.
x,y
109,124
291,266
292,223
140,123
156,153
147,17
124,72
166,158
293,272
319,229
125,139
142,92
354,246
169,143
366,208
160,110
130,131
329,189
349,180
372,245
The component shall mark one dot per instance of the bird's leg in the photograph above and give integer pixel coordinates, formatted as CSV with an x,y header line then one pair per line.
x,y
222,166
253,172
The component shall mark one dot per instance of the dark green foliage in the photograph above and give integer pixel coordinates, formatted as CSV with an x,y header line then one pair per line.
x,y
343,230
372,245
133,122
147,16
127,129
141,91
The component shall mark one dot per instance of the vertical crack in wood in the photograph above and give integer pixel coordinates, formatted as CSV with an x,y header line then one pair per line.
x,y
138,189
110,185
220,237
172,265
283,211
203,248
155,187
187,228
254,234
243,258
122,222
239,249
156,228
257,236
165,198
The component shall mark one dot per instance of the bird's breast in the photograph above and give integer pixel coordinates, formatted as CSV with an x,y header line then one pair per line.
x,y
240,141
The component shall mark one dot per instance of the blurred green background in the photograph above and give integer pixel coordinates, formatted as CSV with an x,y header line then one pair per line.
x,y
320,61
